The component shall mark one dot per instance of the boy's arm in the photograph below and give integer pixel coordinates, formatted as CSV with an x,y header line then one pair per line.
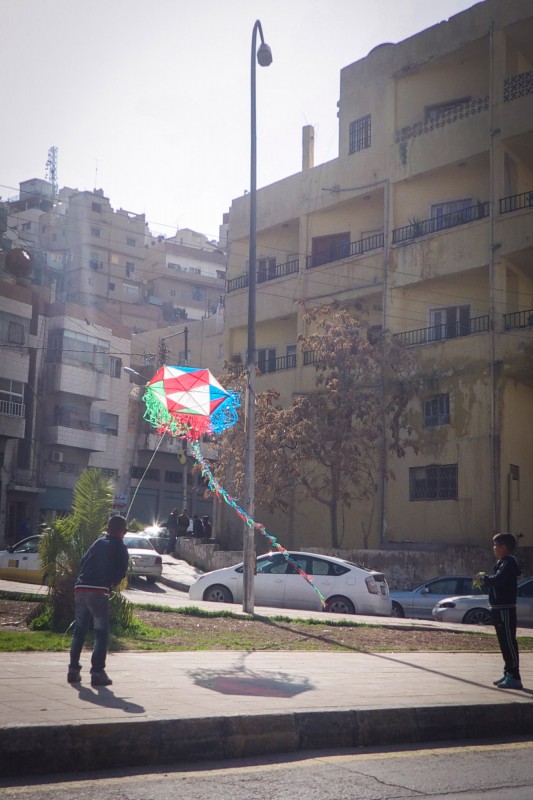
x,y
501,575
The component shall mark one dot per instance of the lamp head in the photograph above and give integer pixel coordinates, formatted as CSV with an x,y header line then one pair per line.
x,y
264,55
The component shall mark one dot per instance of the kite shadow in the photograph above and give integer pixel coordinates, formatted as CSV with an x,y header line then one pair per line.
x,y
241,680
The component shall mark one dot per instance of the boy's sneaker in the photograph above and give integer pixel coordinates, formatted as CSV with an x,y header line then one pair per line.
x,y
74,675
510,683
500,680
100,679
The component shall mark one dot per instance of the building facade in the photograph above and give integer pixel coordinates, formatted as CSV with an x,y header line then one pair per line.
x,y
423,223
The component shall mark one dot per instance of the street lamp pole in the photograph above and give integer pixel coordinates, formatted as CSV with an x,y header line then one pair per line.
x,y
264,58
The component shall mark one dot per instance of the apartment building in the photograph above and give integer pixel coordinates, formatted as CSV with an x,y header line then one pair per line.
x,y
424,223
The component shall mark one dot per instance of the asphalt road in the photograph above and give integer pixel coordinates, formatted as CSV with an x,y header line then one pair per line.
x,y
455,771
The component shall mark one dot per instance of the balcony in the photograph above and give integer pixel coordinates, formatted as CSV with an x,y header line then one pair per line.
x,y
266,365
151,441
517,86
418,228
338,251
444,331
11,409
515,202
518,319
268,273
85,436
73,379
457,113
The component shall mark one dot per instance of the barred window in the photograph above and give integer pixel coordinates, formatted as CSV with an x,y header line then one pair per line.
x,y
360,134
437,410
434,482
149,474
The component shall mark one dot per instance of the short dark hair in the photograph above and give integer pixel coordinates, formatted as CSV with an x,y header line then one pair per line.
x,y
116,524
505,539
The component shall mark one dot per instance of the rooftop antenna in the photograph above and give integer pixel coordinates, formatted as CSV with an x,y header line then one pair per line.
x,y
51,169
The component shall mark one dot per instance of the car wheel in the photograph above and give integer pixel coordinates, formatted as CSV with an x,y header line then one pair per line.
x,y
151,578
218,594
340,605
45,580
397,610
477,616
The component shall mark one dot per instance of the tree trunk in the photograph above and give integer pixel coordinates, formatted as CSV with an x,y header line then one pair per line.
x,y
333,524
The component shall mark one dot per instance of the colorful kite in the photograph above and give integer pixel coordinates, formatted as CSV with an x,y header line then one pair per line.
x,y
190,402
185,401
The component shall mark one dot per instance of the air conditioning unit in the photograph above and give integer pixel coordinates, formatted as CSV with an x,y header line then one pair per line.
x,y
57,456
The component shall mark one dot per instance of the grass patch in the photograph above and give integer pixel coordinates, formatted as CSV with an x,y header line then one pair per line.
x,y
37,641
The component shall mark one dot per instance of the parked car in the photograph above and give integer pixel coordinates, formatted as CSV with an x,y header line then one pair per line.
x,y
21,562
348,588
145,561
158,535
474,610
419,603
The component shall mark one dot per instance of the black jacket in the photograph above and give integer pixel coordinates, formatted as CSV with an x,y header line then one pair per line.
x,y
502,583
104,565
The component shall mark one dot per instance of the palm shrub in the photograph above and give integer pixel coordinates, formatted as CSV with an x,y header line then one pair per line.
x,y
63,546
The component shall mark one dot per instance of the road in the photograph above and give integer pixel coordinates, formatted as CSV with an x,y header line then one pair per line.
x,y
144,593
458,771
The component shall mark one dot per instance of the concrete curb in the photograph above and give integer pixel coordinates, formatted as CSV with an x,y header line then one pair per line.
x,y
42,749
180,587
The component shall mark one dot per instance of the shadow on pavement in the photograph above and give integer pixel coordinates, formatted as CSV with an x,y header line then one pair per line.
x,y
102,696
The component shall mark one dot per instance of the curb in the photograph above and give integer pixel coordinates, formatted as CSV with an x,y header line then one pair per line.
x,y
45,749
181,587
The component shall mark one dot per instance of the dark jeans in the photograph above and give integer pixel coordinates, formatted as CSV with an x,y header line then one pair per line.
x,y
90,605
504,620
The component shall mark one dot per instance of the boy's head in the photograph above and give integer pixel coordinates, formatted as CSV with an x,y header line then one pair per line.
x,y
504,542
117,526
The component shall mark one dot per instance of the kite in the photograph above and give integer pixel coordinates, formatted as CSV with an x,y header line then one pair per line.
x,y
189,402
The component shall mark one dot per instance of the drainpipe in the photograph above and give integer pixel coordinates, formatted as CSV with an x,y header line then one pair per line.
x,y
383,482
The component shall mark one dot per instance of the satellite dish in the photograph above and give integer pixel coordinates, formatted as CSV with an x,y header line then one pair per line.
x,y
19,263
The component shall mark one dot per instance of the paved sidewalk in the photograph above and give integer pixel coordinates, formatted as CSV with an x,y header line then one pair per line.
x,y
177,707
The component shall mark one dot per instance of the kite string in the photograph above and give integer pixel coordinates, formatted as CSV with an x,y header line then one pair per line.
x,y
144,473
219,491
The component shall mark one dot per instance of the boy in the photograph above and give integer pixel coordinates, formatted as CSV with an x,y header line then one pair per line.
x,y
501,586
103,566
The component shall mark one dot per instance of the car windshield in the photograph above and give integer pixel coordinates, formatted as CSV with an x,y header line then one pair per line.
x,y
138,543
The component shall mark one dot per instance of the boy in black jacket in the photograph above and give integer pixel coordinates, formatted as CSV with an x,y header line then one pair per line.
x,y
502,586
103,566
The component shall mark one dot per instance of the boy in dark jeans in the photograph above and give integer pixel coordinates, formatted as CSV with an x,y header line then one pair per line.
x,y
501,586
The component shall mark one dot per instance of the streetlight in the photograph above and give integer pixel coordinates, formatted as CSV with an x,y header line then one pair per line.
x,y
264,58
163,347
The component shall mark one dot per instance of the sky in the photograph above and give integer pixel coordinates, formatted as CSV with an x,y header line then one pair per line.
x,y
150,101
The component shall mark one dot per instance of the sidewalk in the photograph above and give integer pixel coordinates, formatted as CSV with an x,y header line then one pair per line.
x,y
188,706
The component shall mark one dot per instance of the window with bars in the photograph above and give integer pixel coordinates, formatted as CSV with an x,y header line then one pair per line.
x,y
437,410
360,134
434,482
150,474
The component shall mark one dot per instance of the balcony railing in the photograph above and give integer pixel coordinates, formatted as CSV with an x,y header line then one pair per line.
x,y
437,333
268,273
309,357
277,364
455,114
423,227
340,251
516,201
517,86
11,409
518,319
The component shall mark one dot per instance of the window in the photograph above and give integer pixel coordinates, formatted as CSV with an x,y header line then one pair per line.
x,y
115,367
195,270
437,410
90,280
435,482
360,134
439,109
11,397
266,269
95,232
54,237
109,423
198,293
450,322
130,242
130,268
172,292
150,475
290,352
26,226
68,347
266,359
454,212
96,207
111,286
94,259
329,248
172,476
130,288
15,332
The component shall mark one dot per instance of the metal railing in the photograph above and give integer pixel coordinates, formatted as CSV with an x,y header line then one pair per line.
x,y
347,250
12,409
418,228
518,319
268,273
516,201
277,364
438,333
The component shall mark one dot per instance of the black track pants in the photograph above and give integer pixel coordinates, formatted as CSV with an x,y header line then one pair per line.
x,y
504,620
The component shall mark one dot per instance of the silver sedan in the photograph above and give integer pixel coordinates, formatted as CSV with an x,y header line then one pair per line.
x,y
474,610
419,602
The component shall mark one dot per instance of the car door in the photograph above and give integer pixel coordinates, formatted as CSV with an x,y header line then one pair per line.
x,y
426,597
269,581
524,603
23,564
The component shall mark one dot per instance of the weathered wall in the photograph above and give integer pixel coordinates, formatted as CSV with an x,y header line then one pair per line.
x,y
404,569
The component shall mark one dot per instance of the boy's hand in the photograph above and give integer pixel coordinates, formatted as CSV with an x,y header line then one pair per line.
x,y
477,580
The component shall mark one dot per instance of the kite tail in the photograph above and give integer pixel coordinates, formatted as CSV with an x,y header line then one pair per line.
x,y
220,492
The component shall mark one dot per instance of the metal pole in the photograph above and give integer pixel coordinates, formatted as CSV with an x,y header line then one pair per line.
x,y
265,58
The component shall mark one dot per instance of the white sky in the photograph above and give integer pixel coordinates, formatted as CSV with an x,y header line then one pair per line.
x,y
151,100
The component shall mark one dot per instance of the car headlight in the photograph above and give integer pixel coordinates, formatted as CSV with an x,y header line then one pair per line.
x,y
447,604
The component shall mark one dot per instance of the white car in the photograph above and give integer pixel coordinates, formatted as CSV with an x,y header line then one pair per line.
x,y
347,588
474,609
21,562
145,561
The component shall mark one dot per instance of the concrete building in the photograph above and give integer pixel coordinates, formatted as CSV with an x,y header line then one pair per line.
x,y
424,222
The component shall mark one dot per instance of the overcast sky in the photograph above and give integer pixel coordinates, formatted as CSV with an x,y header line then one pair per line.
x,y
151,100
